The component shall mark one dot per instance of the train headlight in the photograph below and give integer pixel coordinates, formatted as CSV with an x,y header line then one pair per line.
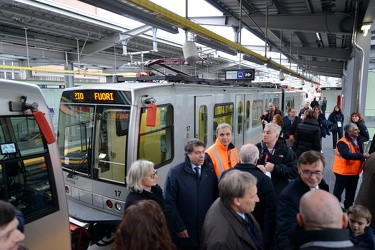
x,y
109,204
118,206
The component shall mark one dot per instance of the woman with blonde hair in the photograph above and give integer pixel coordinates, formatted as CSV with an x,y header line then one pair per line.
x,y
141,183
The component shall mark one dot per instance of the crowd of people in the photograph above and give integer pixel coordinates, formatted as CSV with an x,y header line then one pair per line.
x,y
270,195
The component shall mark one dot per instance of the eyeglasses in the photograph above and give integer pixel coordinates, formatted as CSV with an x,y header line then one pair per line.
x,y
308,173
152,176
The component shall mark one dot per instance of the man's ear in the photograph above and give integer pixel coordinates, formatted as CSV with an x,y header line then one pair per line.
x,y
345,220
300,220
236,202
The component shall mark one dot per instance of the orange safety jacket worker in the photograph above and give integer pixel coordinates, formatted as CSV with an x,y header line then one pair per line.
x,y
223,157
347,167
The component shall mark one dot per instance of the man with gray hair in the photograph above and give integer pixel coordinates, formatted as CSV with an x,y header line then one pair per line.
x,y
265,210
348,163
323,221
276,158
223,153
229,223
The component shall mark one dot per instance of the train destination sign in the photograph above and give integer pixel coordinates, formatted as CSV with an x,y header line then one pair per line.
x,y
240,74
98,96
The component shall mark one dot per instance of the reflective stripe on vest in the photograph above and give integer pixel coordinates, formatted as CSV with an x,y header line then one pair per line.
x,y
235,156
343,166
218,159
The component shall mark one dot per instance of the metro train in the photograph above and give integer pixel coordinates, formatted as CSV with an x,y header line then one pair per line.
x,y
103,128
30,169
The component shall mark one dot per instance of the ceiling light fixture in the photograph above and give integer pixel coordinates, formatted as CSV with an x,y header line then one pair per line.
x,y
365,28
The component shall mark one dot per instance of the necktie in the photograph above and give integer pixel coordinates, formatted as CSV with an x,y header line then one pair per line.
x,y
252,232
197,171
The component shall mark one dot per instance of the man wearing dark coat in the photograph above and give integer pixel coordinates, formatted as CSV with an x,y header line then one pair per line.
x,y
310,168
269,114
229,223
307,136
276,158
190,189
365,195
265,210
314,103
290,126
324,223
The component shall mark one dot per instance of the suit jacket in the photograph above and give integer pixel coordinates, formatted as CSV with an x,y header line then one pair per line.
x,y
265,209
223,229
288,208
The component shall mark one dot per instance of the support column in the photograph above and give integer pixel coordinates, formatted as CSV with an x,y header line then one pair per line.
x,y
69,79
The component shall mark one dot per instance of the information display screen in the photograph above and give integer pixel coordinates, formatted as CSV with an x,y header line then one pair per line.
x,y
8,148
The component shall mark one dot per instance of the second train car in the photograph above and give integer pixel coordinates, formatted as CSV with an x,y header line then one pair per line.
x,y
104,128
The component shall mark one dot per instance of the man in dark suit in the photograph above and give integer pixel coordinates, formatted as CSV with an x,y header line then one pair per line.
x,y
229,223
310,168
265,210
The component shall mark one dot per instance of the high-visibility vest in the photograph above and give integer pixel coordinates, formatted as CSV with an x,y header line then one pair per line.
x,y
222,157
347,167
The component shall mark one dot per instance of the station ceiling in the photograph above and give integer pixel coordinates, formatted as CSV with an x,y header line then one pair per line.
x,y
44,32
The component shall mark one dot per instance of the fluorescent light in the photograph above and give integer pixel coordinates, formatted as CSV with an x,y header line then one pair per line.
x,y
365,27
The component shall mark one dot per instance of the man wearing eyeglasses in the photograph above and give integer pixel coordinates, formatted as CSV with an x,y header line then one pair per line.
x,y
310,169
348,163
190,189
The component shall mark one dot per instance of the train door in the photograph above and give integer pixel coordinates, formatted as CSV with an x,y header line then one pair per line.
x,y
241,121
114,129
201,105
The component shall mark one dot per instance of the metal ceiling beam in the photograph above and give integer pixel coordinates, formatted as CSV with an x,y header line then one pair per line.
x,y
336,23
329,72
124,9
210,20
331,53
215,45
109,42
326,64
192,27
73,13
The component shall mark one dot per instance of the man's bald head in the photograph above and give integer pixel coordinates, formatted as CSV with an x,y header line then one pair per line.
x,y
320,210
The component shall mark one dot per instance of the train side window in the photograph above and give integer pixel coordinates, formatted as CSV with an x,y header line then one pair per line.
x,y
27,185
203,124
28,136
156,143
257,112
223,113
276,101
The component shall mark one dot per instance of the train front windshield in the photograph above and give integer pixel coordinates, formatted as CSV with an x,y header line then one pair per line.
x,y
94,135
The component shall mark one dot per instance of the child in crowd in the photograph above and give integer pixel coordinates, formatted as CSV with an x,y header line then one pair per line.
x,y
360,233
